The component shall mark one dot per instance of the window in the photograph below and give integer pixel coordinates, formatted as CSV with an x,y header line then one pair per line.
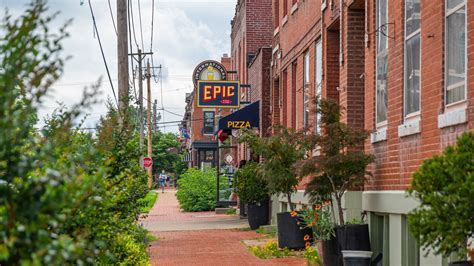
x,y
380,235
455,51
381,101
410,248
276,16
285,8
412,56
208,127
293,94
318,81
306,90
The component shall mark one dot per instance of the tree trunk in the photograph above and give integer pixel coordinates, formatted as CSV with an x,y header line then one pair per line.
x,y
288,196
339,210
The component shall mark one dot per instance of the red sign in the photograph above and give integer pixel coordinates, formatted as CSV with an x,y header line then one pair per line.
x,y
218,94
147,162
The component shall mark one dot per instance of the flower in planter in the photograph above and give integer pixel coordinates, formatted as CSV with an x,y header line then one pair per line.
x,y
308,244
306,237
319,218
293,213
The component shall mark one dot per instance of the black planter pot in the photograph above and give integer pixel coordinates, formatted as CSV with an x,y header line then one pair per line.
x,y
289,233
461,263
258,214
331,253
353,237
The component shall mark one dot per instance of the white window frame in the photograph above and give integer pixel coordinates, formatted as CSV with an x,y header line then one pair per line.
x,y
306,82
318,87
382,124
461,104
413,115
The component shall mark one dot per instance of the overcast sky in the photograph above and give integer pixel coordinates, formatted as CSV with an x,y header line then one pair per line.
x,y
185,33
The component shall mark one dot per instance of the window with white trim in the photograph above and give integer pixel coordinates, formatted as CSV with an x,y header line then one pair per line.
x,y
456,56
412,57
306,89
318,82
381,100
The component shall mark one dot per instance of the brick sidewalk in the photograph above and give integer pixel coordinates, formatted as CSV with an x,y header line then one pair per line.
x,y
193,246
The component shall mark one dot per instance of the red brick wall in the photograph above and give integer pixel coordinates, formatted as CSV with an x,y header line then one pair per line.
x,y
398,157
259,80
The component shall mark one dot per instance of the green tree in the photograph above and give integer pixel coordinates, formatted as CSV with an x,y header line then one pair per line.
x,y
165,153
341,164
64,199
280,154
444,186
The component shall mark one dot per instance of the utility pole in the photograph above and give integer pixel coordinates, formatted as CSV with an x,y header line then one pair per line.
x,y
140,96
148,77
122,59
155,118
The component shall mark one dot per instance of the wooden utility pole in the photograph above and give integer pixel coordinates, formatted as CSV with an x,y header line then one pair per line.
x,y
122,59
148,77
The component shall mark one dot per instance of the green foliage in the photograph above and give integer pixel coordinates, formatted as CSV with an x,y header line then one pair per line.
x,y
231,211
444,185
312,256
341,164
281,152
197,190
270,232
163,159
148,202
319,218
270,250
251,187
64,198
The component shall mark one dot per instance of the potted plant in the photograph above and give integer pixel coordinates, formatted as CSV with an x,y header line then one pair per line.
x,y
252,189
341,166
444,220
280,153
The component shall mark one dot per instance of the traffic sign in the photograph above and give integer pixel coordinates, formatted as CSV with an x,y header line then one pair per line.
x,y
147,162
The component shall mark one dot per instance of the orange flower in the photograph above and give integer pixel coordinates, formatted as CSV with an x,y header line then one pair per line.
x,y
308,244
306,237
327,202
293,213
318,207
312,224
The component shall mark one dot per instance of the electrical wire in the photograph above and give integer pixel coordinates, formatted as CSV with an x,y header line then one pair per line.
x,y
161,89
102,52
141,28
131,52
112,17
130,14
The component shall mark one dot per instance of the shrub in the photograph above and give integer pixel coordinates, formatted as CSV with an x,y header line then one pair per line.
x,y
270,250
250,185
148,202
444,185
197,190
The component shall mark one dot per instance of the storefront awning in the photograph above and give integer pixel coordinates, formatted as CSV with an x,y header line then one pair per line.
x,y
247,117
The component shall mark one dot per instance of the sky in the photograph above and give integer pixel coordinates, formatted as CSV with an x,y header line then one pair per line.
x,y
185,32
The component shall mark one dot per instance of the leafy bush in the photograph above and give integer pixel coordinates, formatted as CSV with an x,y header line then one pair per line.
x,y
148,201
197,190
444,185
65,198
319,219
250,185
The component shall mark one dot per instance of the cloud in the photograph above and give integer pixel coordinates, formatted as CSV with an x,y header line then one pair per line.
x,y
185,33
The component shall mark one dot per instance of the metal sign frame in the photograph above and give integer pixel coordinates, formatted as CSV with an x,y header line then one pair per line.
x,y
223,203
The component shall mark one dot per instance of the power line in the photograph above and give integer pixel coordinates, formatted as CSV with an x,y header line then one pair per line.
x,y
102,52
130,14
131,51
152,20
112,17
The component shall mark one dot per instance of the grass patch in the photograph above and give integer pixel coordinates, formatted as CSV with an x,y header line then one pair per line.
x,y
270,250
148,201
231,211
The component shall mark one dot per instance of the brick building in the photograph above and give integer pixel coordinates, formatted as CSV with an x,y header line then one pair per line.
x,y
419,83
251,39
200,126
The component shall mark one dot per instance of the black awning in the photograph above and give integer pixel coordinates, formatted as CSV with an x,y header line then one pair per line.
x,y
247,117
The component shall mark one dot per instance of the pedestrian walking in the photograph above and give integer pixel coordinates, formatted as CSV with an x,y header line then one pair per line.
x,y
163,180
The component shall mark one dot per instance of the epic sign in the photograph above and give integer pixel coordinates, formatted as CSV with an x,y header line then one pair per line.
x,y
218,94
